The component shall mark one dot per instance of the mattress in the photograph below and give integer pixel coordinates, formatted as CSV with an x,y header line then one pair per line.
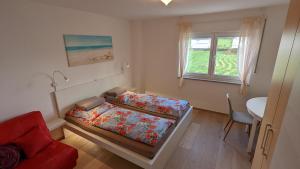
x,y
116,125
152,104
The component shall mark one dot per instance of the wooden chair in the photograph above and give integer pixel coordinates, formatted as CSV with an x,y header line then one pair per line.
x,y
236,117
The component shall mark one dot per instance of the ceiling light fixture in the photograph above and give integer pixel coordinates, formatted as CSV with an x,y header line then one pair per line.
x,y
166,2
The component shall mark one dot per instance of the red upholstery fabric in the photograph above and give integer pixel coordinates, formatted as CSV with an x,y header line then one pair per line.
x,y
55,156
18,126
33,141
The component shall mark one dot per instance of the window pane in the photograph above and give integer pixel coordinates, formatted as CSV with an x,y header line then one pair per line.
x,y
227,56
198,58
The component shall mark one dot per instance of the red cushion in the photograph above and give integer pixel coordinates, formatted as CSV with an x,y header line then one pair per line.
x,y
55,156
18,126
33,141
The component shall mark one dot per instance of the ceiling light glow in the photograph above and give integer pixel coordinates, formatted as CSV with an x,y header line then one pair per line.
x,y
166,2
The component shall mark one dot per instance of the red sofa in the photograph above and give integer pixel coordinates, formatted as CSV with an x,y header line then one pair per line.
x,y
55,155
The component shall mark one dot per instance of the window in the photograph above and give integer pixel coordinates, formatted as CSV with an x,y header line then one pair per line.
x,y
199,54
213,57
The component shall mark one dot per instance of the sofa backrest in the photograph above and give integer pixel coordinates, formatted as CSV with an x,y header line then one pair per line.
x,y
18,126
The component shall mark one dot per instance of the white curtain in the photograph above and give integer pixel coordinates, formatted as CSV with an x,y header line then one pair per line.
x,y
184,44
250,39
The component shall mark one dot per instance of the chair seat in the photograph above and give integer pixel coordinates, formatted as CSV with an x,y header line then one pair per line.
x,y
242,117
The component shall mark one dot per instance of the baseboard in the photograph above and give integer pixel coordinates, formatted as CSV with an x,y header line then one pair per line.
x,y
201,109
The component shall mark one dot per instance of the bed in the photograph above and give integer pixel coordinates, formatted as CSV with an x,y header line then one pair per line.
x,y
65,99
148,103
139,132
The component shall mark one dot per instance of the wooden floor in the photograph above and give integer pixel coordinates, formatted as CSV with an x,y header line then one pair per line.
x,y
200,148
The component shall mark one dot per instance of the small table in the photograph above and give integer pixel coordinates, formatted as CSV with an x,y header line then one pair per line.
x,y
56,123
256,108
55,128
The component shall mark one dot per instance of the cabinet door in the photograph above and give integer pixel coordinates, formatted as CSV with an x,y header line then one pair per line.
x,y
282,81
288,106
287,149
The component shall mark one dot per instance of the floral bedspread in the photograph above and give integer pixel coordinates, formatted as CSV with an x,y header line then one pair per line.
x,y
134,125
154,103
88,116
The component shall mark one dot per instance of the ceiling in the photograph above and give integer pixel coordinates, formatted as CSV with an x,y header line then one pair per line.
x,y
143,9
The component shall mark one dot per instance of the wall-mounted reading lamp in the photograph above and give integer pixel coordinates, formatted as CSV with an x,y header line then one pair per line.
x,y
125,66
53,83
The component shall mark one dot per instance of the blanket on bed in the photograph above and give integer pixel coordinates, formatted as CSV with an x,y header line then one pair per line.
x,y
169,106
134,125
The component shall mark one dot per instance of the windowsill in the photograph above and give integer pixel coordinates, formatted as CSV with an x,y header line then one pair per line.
x,y
215,80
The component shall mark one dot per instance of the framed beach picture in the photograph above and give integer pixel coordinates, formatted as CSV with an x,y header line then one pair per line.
x,y
88,49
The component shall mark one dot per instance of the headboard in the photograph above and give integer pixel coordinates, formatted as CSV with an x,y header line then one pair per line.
x,y
67,97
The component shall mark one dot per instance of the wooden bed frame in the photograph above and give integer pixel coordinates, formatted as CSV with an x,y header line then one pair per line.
x,y
67,97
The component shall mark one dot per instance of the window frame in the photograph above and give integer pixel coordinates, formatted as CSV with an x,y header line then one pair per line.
x,y
211,76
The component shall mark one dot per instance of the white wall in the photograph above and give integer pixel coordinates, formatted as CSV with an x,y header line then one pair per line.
x,y
160,38
31,45
137,51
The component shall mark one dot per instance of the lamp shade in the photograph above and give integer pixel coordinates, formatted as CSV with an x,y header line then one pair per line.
x,y
166,2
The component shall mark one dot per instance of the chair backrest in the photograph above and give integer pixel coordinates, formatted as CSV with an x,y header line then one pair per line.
x,y
229,105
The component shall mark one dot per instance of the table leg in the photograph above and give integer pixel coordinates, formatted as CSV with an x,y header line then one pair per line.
x,y
252,135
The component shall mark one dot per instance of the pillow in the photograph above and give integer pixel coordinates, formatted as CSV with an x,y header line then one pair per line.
x,y
90,114
90,103
115,91
33,141
10,156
